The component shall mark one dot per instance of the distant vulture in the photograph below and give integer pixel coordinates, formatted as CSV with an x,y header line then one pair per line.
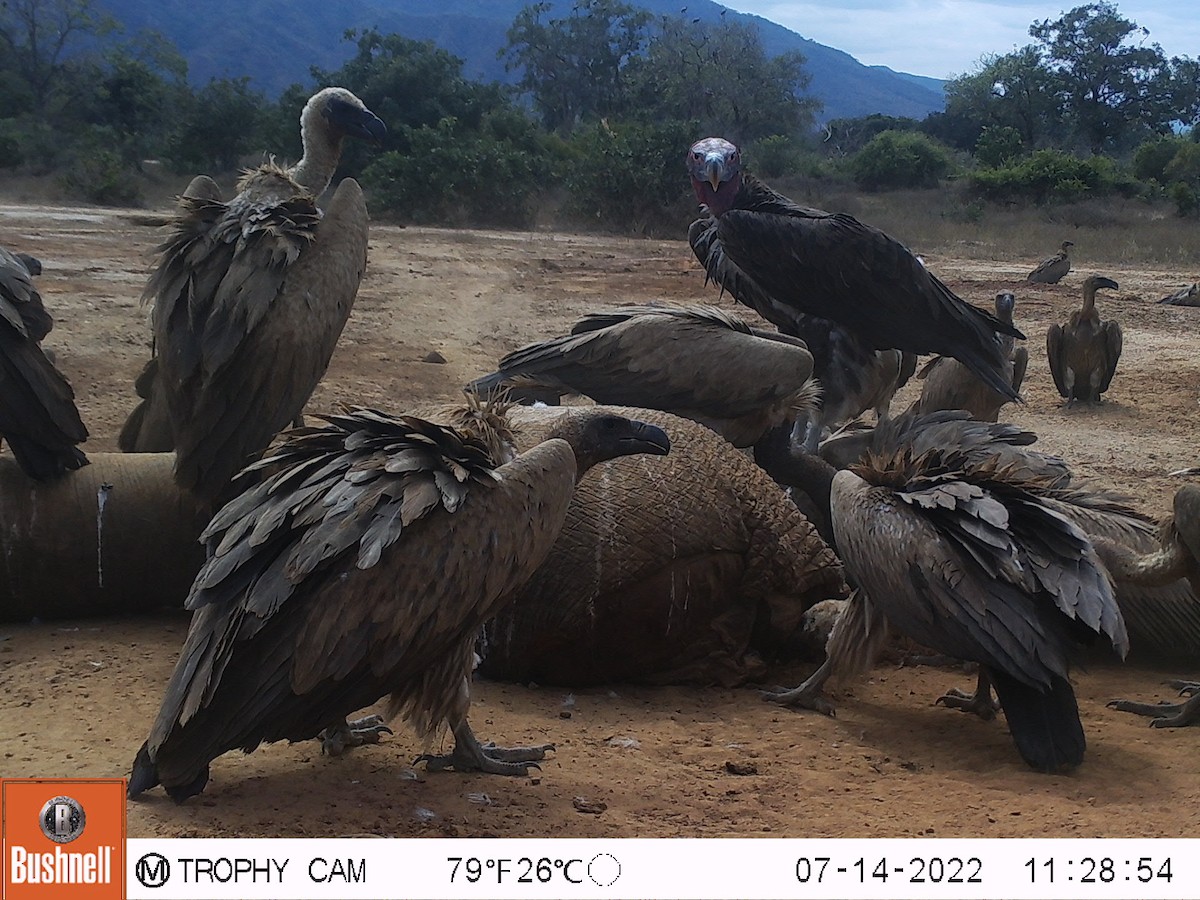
x,y
250,297
1083,352
1188,296
780,258
364,563
1052,270
963,555
698,362
951,385
1178,556
38,416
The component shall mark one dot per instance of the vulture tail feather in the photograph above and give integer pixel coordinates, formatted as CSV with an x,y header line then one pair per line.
x,y
1045,724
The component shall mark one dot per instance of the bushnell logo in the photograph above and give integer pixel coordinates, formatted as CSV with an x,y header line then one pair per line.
x,y
62,819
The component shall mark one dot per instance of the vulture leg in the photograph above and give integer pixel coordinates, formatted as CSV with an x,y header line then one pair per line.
x,y
1186,688
809,695
471,756
1166,715
981,703
339,737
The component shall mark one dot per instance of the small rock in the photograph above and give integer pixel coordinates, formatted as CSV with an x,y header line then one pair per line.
x,y
594,807
740,768
433,357
564,714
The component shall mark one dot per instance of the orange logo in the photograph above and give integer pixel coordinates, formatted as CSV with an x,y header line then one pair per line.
x,y
62,838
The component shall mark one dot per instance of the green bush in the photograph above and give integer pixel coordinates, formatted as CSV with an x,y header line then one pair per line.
x,y
899,159
1152,157
1052,175
774,156
10,145
998,145
98,174
1186,200
629,177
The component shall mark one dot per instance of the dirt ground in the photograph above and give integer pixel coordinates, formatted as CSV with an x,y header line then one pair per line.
x,y
77,698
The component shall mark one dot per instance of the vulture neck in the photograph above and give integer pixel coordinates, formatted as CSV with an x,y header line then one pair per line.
x,y
1151,570
802,471
322,150
1089,301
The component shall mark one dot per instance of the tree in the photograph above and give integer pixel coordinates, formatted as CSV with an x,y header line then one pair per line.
x,y
35,34
573,67
899,159
1115,91
222,122
1016,90
719,76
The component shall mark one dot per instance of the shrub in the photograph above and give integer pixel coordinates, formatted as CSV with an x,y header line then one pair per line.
x,y
774,156
899,159
10,145
998,145
1052,175
98,174
1152,157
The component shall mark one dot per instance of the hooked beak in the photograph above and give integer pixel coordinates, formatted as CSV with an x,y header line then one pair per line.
x,y
647,438
714,170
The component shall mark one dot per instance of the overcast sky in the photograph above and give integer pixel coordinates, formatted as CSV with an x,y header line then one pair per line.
x,y
943,38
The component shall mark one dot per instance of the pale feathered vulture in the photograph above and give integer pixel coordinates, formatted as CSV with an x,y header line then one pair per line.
x,y
1083,351
1177,556
1052,269
1188,296
250,296
963,555
364,563
948,384
832,266
38,416
698,362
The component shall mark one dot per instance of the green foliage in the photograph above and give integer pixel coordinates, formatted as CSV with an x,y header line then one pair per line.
x,y
1186,199
899,159
628,177
845,137
220,124
775,156
10,145
1152,157
1052,175
98,174
998,145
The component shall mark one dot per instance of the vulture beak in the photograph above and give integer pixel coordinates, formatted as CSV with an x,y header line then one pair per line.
x,y
714,170
359,122
646,438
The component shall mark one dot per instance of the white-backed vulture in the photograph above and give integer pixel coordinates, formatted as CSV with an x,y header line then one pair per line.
x,y
250,297
948,384
1054,268
1188,296
38,416
961,554
829,265
1083,352
364,563
1178,556
697,362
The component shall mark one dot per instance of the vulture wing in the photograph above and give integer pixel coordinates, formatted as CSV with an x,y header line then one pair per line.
x,y
1054,356
1112,352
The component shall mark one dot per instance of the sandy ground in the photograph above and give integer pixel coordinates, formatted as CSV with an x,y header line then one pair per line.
x,y
77,698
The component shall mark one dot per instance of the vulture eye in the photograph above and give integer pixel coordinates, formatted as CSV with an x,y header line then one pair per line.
x,y
695,154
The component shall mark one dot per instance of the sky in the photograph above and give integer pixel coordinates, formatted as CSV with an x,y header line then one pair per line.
x,y
944,38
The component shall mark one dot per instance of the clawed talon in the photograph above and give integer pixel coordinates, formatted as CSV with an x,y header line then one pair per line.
x,y
1166,714
469,755
1185,688
802,697
336,739
981,705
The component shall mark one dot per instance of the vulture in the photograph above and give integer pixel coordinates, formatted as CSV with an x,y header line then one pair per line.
x,y
250,296
1083,352
962,553
948,384
1178,556
1188,296
1052,270
780,258
364,562
38,416
697,362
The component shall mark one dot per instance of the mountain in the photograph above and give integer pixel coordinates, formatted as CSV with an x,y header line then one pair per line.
x,y
276,42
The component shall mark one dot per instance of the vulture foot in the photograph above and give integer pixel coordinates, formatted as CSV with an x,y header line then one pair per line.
x,y
1166,715
1186,688
809,695
471,756
980,703
336,739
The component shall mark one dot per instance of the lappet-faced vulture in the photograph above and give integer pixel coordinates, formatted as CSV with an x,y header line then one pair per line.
x,y
1083,352
364,563
250,297
38,416
1052,269
697,362
962,555
1177,556
948,384
832,266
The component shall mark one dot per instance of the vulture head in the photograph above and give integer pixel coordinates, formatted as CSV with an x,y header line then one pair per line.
x,y
32,264
344,114
1067,245
1006,302
596,436
715,166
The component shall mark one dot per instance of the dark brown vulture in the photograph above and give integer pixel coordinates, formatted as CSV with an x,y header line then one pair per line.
x,y
1178,556
961,554
1188,296
1083,352
780,258
38,417
1052,270
364,563
250,297
948,384
697,362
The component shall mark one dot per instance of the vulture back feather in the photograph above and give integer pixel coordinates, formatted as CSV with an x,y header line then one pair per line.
x,y
1083,351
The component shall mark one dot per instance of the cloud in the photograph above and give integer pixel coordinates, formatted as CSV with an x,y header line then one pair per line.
x,y
944,38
